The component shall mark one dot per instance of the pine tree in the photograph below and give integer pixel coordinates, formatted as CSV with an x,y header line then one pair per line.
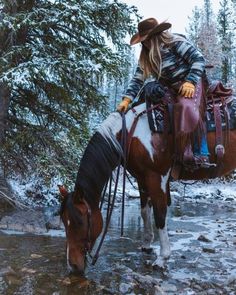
x,y
53,57
226,34
205,37
193,26
208,12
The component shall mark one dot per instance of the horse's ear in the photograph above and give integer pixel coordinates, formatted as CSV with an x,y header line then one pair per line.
x,y
63,191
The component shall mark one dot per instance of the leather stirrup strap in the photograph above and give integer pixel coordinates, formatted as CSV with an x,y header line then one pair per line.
x,y
219,148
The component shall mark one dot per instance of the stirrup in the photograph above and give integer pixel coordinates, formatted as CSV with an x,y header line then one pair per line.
x,y
207,165
203,162
197,162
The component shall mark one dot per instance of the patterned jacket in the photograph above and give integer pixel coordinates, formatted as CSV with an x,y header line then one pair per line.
x,y
181,62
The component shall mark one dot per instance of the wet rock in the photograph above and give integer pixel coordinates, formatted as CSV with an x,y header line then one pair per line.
x,y
132,193
126,259
35,256
54,223
166,287
147,250
208,250
220,221
124,268
202,238
158,291
24,221
148,262
66,281
231,279
234,240
229,199
198,197
125,288
6,270
28,270
13,280
211,291
145,280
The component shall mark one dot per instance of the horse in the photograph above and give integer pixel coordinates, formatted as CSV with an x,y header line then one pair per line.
x,y
150,165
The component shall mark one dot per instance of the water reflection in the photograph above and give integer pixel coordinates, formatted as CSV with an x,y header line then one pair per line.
x,y
37,264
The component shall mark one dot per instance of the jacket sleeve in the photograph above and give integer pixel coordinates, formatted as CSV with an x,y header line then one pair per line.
x,y
194,59
135,84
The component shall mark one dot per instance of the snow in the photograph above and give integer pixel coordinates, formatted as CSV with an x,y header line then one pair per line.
x,y
34,192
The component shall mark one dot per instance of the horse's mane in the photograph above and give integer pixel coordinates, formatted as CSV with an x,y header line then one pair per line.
x,y
101,156
74,214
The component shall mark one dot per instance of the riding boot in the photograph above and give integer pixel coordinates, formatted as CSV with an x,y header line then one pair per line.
x,y
201,152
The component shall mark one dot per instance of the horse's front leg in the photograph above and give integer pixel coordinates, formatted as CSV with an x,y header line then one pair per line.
x,y
146,213
157,186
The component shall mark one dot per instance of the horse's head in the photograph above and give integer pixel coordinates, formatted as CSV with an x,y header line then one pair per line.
x,y
83,225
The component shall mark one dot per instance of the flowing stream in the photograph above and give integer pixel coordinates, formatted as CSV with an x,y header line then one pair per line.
x,y
203,260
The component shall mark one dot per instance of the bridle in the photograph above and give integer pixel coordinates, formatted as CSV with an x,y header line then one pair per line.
x,y
88,245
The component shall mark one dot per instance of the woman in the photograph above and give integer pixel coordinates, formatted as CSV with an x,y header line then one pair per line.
x,y
179,66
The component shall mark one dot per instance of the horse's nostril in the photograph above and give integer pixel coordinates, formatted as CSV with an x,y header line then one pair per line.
x,y
75,270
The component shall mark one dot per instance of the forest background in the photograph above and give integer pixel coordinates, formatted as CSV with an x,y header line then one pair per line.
x,y
64,66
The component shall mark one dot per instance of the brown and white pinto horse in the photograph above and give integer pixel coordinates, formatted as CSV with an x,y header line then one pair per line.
x,y
150,166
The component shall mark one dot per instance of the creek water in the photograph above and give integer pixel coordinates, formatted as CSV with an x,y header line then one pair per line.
x,y
34,264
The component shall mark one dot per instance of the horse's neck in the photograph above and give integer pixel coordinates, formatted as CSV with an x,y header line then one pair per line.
x,y
100,158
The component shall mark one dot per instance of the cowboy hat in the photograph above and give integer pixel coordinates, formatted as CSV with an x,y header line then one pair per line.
x,y
147,28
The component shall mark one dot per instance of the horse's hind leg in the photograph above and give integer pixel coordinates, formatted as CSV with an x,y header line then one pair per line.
x,y
146,213
157,186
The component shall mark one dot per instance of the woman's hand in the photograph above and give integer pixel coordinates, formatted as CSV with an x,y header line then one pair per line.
x,y
187,89
123,106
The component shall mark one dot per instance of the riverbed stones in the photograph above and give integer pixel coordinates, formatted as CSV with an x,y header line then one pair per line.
x,y
125,288
24,221
208,250
30,221
203,238
6,270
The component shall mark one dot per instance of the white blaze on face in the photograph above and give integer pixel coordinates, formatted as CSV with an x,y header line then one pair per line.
x,y
142,130
164,179
68,222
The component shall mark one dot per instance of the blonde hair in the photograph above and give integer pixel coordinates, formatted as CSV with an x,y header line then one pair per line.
x,y
150,59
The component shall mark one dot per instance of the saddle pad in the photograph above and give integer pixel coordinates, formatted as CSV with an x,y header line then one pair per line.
x,y
156,118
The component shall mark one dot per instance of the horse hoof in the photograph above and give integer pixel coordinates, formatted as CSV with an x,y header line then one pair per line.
x,y
159,263
147,250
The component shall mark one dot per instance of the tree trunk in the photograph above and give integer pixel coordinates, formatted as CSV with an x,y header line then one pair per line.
x,y
4,106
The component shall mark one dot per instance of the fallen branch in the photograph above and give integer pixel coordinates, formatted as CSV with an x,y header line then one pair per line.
x,y
13,201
